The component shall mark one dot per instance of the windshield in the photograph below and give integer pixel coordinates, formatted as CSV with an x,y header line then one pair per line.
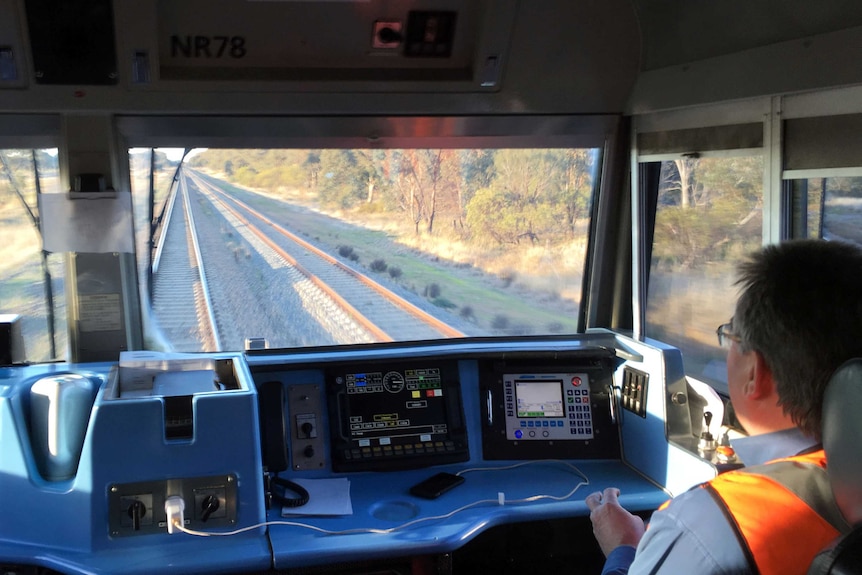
x,y
286,248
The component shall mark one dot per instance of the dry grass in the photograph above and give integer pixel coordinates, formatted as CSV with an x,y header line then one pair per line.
x,y
19,242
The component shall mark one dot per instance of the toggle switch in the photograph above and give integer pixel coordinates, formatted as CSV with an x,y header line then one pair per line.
x,y
209,506
136,511
210,503
306,426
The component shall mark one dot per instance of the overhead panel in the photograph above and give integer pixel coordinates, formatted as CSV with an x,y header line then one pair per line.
x,y
72,42
453,45
12,48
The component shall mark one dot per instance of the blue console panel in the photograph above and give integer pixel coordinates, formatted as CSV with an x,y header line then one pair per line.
x,y
197,433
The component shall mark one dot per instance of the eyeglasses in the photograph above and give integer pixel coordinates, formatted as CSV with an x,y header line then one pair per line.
x,y
726,335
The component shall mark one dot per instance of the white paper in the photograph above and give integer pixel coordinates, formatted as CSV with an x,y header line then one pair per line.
x,y
138,369
325,497
87,225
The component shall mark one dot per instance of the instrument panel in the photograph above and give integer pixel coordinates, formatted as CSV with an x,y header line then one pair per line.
x,y
396,415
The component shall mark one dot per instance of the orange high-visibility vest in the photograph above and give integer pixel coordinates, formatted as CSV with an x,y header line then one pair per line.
x,y
783,512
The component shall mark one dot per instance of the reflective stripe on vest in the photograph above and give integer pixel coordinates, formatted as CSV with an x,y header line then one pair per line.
x,y
783,512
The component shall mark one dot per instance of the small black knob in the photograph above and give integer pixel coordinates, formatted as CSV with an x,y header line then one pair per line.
x,y
136,511
308,451
307,428
209,505
707,418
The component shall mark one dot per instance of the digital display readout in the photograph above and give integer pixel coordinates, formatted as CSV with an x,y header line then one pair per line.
x,y
539,398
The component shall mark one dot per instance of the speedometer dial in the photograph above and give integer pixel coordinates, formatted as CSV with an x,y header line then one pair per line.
x,y
393,382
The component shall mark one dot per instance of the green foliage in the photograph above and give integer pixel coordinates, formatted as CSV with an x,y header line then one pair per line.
x,y
535,196
347,177
490,197
378,265
270,170
443,302
394,272
722,217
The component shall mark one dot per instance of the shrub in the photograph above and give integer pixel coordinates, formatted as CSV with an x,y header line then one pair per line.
x,y
378,265
394,272
466,312
500,321
345,251
432,290
443,302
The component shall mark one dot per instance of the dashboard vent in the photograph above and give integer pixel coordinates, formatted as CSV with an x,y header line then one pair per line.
x,y
635,391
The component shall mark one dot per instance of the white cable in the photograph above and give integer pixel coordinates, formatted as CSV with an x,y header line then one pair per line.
x,y
175,510
501,500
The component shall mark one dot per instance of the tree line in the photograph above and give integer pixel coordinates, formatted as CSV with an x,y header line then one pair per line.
x,y
493,197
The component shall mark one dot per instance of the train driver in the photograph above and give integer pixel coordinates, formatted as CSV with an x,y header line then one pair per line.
x,y
797,319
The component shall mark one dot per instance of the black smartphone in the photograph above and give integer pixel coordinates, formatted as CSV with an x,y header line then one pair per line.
x,y
436,485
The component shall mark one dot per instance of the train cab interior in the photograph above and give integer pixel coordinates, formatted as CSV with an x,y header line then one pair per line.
x,y
370,287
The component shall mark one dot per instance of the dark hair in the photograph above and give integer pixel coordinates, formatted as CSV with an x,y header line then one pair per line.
x,y
801,308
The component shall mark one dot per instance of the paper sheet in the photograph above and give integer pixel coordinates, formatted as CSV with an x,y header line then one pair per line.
x,y
325,497
89,225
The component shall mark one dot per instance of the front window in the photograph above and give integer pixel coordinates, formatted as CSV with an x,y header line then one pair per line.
x,y
340,246
31,280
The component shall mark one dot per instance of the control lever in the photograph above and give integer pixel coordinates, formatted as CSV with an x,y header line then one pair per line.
x,y
706,444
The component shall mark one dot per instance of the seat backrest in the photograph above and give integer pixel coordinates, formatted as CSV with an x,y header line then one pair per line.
x,y
842,441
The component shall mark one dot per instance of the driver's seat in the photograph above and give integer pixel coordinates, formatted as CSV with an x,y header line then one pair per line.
x,y
842,441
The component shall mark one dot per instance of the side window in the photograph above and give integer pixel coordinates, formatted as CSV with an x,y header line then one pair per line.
x,y
827,207
31,280
708,216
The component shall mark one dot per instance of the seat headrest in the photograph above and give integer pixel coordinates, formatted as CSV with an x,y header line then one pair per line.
x,y
842,437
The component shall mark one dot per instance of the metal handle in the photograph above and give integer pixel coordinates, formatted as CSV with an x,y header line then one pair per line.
x,y
612,403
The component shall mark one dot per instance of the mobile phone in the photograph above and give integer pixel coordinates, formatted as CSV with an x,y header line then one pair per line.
x,y
436,485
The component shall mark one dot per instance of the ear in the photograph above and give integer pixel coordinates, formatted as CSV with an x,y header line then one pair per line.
x,y
760,384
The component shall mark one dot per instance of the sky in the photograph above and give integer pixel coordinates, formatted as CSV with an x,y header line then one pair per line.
x,y
173,154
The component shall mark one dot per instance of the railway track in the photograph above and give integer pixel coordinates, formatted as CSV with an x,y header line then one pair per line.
x,y
181,297
290,286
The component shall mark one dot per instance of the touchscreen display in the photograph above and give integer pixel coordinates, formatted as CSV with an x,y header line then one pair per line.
x,y
539,399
